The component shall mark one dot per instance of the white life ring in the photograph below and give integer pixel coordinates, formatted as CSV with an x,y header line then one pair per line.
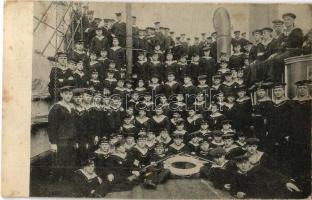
x,y
169,164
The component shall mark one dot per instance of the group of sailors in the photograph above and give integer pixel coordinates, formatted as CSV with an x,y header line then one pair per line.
x,y
112,131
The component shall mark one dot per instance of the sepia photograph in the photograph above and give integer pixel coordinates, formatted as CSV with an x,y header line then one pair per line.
x,y
171,100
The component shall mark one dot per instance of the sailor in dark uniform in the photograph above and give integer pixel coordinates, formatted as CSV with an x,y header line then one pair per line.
x,y
242,110
156,173
79,114
193,145
259,182
207,64
230,147
86,183
140,89
194,69
150,140
110,81
237,58
228,87
164,138
102,155
139,155
189,90
301,141
154,87
79,53
121,162
159,120
59,74
99,42
94,81
193,121
140,68
281,128
129,141
177,146
228,108
62,134
93,64
142,121
204,150
241,140
293,44
204,131
119,30
216,83
103,59
171,87
180,129
215,118
80,76
201,104
217,139
154,67
220,171
261,112
128,126
170,65
227,126
179,106
117,54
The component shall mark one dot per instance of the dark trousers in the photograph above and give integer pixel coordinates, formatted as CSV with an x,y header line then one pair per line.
x,y
64,160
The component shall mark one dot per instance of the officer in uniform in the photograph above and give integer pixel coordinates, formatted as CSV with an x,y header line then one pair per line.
x,y
119,30
62,134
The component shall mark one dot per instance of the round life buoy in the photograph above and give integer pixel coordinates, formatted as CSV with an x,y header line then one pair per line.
x,y
193,164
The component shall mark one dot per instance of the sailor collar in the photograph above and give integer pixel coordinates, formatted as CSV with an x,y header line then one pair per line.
x,y
154,85
164,140
180,132
188,85
141,61
182,63
127,126
207,57
142,151
88,176
229,105
159,119
216,114
155,62
255,158
171,83
228,83
148,103
122,156
93,62
100,152
280,102
173,145
199,103
97,106
170,62
193,118
195,63
64,69
305,98
242,99
100,37
202,85
227,131
95,80
219,166
265,43
120,88
80,73
140,89
151,143
264,99
142,120
68,106
204,132
115,48
195,144
233,146
216,86
102,59
241,143
79,51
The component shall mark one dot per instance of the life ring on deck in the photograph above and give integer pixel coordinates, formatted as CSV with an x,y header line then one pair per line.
x,y
183,165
